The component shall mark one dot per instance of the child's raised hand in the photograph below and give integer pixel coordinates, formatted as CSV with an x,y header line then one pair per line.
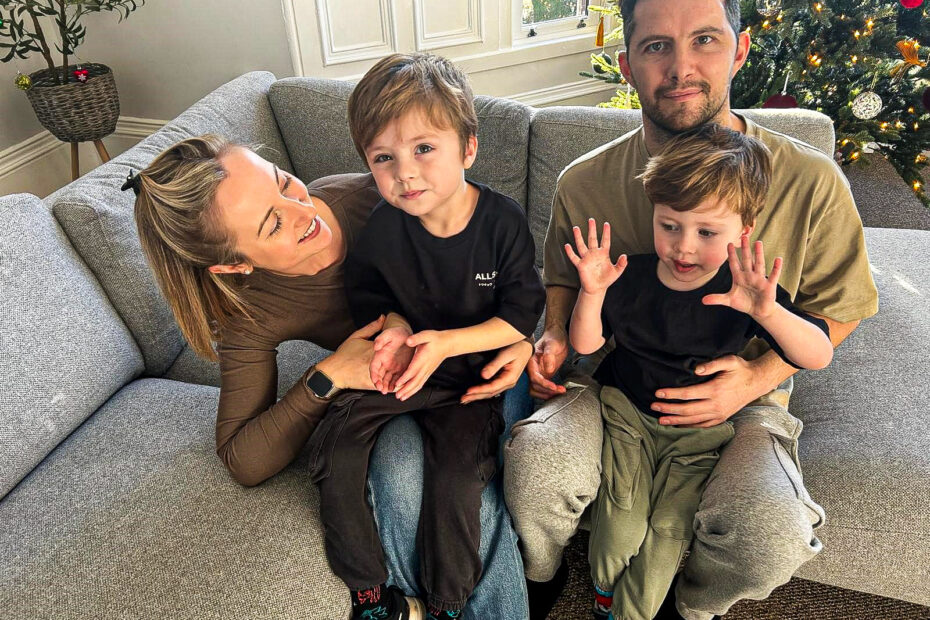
x,y
595,270
751,292
391,357
431,350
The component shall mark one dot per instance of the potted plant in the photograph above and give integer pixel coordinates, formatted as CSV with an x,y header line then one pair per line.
x,y
75,102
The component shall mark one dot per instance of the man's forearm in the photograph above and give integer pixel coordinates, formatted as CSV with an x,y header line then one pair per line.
x,y
772,370
559,303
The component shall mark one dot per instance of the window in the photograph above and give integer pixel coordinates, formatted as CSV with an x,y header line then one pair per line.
x,y
537,11
538,20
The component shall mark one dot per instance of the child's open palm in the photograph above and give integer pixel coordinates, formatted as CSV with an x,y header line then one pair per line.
x,y
752,292
595,269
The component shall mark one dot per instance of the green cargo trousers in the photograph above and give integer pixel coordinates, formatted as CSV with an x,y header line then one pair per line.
x,y
641,522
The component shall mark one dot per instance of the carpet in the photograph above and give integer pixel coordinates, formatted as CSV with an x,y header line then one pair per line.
x,y
799,599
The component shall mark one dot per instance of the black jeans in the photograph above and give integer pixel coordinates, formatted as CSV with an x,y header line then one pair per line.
x,y
460,457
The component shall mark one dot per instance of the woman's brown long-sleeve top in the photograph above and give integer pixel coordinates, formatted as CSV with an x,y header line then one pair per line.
x,y
257,437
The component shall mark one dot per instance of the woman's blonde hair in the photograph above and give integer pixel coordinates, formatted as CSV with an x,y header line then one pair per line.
x,y
182,237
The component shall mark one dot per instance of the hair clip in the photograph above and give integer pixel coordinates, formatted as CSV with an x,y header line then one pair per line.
x,y
133,181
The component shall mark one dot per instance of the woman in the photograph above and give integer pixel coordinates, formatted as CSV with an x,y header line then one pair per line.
x,y
248,257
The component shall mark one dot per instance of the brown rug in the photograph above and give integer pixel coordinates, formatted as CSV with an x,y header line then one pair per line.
x,y
798,599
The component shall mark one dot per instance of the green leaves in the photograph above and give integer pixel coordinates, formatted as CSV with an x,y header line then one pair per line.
x,y
21,33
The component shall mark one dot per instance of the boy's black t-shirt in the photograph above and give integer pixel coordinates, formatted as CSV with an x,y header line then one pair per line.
x,y
485,271
663,334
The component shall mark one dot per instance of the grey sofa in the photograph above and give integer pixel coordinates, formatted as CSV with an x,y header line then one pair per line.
x,y
113,503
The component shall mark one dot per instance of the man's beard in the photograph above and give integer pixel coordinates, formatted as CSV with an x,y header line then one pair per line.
x,y
672,125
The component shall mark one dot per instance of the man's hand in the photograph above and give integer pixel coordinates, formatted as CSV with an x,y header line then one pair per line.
x,y
505,369
551,351
391,358
736,384
431,349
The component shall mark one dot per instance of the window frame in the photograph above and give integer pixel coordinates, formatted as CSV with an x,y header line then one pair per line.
x,y
553,30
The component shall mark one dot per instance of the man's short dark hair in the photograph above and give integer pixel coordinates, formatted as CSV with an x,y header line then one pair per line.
x,y
731,7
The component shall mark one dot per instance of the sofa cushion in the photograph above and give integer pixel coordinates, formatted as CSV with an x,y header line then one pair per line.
x,y
134,516
561,134
865,448
294,358
313,117
65,349
98,217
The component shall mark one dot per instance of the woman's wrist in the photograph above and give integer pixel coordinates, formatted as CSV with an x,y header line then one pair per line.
x,y
330,367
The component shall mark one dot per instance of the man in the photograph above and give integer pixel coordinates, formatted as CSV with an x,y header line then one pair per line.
x,y
755,524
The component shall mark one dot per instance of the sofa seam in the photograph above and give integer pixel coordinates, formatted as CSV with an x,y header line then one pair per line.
x,y
872,529
112,259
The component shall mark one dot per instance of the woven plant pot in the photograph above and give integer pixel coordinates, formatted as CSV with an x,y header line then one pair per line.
x,y
76,111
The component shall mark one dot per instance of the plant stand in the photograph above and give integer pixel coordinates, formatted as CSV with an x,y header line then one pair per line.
x,y
75,163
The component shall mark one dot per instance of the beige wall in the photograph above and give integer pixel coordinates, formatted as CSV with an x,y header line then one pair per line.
x,y
166,56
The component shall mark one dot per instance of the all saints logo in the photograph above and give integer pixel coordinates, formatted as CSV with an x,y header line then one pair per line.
x,y
486,279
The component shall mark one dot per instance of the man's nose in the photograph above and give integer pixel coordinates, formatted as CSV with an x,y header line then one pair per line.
x,y
682,65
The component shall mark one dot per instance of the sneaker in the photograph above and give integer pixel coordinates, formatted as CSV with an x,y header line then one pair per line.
x,y
396,606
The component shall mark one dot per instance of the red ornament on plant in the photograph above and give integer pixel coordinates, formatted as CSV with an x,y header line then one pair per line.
x,y
911,4
81,75
782,99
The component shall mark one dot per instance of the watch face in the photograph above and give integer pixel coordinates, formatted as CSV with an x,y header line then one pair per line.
x,y
319,384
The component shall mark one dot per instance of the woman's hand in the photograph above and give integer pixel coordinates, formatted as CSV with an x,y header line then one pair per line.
x,y
505,369
751,292
391,357
348,366
595,269
431,349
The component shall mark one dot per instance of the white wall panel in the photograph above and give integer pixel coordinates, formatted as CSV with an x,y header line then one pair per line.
x,y
357,30
440,23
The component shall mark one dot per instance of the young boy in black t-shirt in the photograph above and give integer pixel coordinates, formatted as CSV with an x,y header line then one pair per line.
x,y
451,265
695,300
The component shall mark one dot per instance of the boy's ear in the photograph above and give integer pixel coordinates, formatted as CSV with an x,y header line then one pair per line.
x,y
747,230
471,151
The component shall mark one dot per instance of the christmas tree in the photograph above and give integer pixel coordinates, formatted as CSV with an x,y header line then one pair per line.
x,y
860,62
604,64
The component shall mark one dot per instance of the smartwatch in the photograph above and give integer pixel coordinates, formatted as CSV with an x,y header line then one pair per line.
x,y
321,385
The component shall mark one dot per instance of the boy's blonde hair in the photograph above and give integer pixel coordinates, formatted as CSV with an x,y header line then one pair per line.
x,y
711,161
400,83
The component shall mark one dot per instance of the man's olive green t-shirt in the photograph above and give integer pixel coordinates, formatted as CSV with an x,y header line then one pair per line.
x,y
809,219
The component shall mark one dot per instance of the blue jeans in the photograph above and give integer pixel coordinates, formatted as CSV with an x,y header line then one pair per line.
x,y
395,485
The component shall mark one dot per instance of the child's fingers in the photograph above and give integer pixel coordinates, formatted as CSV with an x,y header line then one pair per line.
x,y
733,259
579,242
716,300
417,339
414,387
759,264
592,233
605,237
620,265
746,255
575,260
776,271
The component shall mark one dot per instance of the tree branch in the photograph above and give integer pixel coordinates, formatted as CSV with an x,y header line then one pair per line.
x,y
46,52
